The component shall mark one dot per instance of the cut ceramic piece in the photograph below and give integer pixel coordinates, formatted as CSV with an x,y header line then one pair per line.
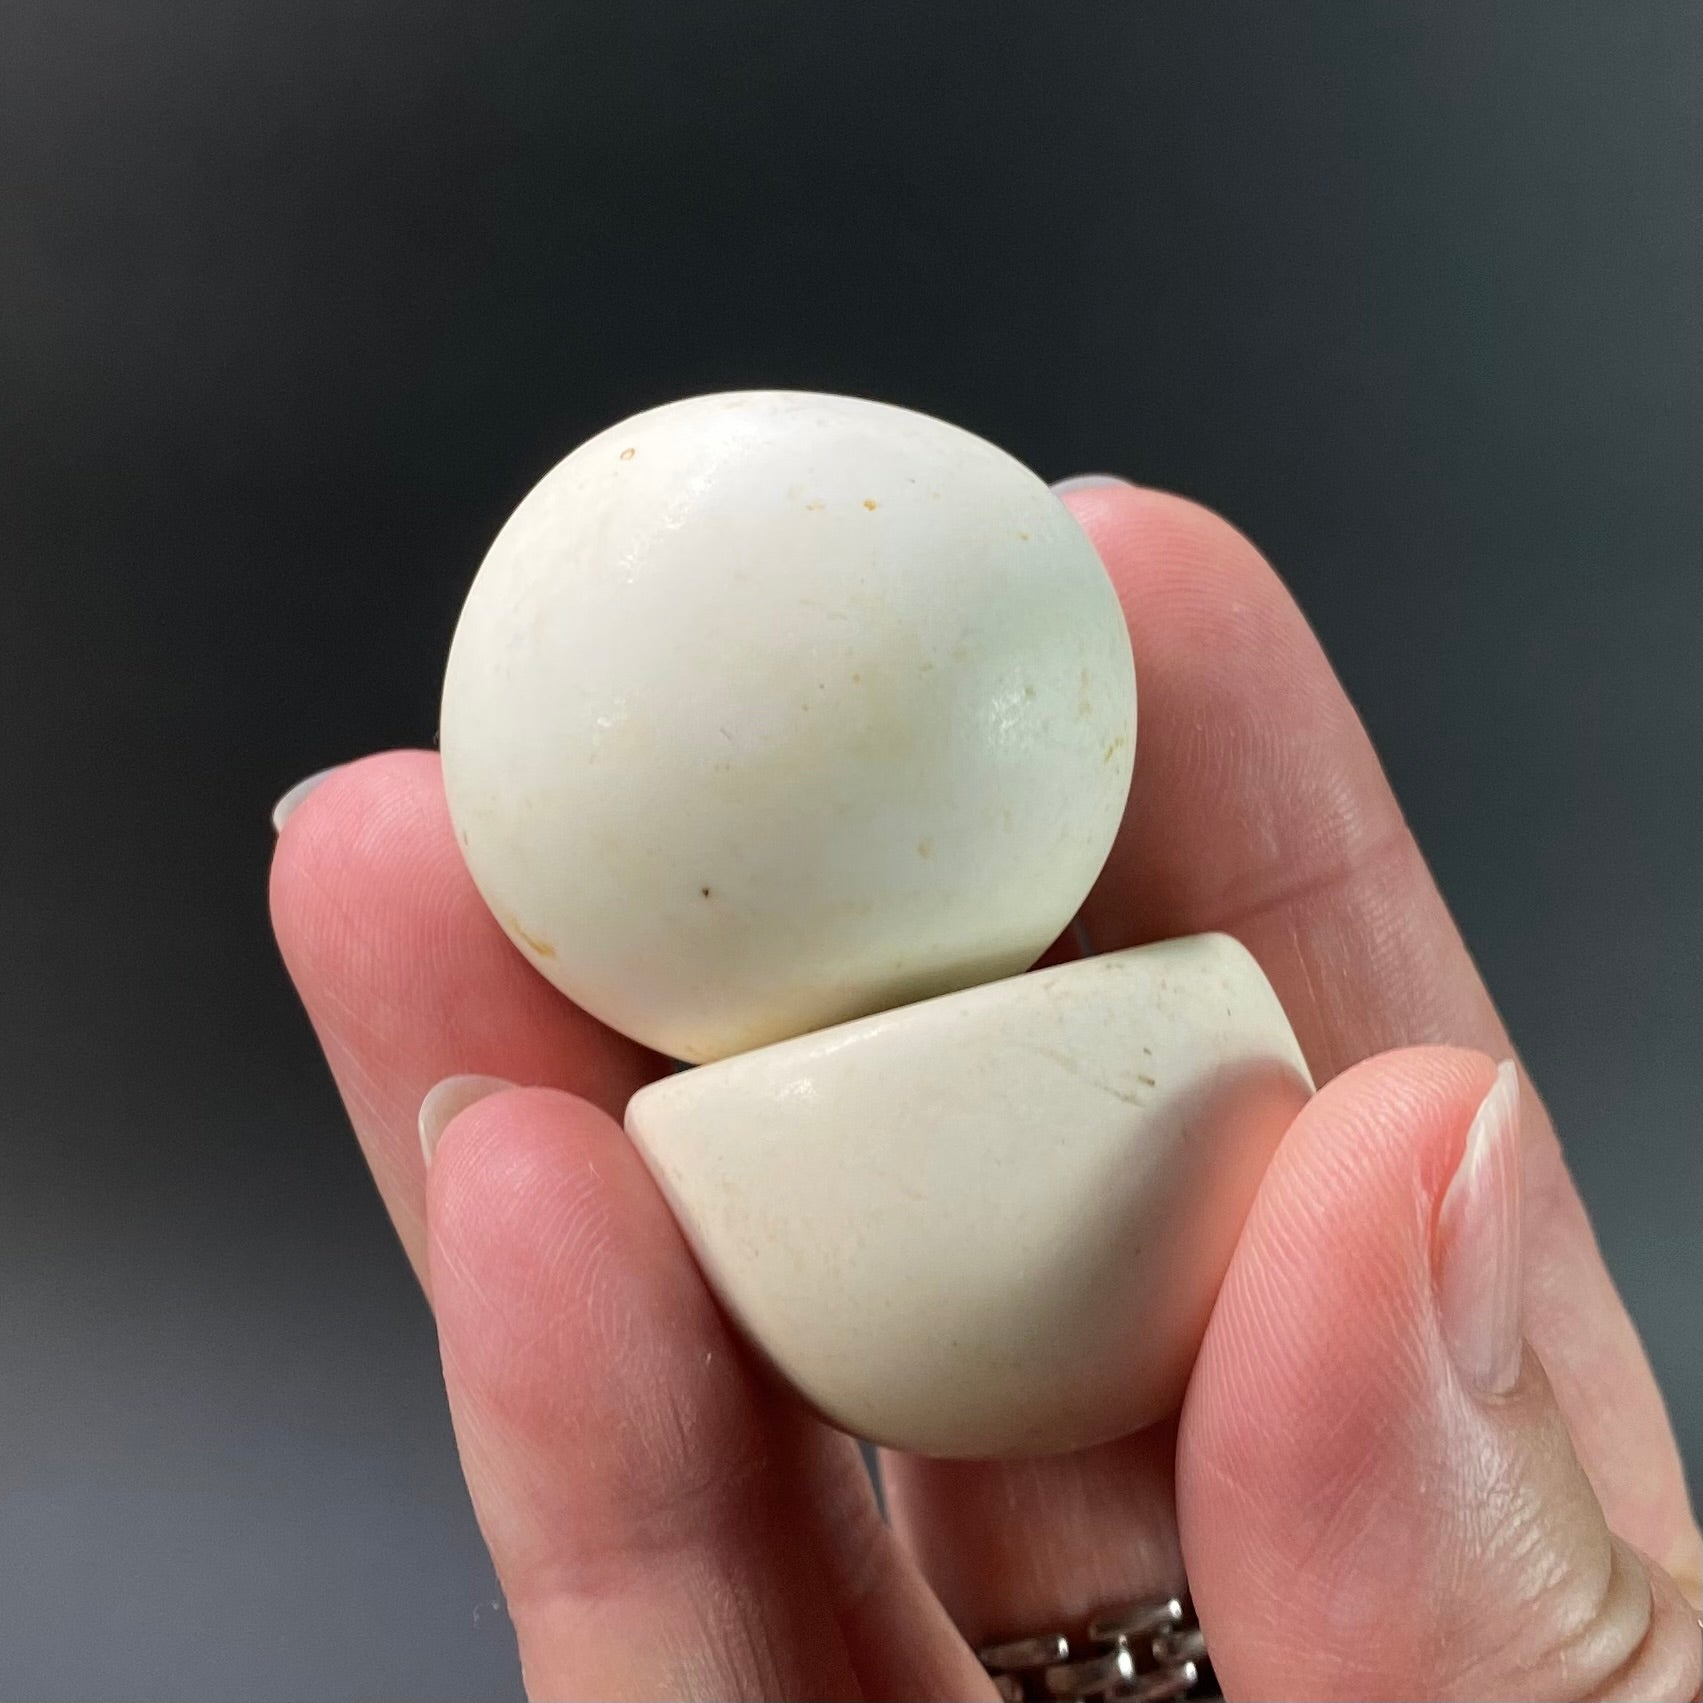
x,y
768,710
992,1223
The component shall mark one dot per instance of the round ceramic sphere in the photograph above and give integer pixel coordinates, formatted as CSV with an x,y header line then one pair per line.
x,y
769,710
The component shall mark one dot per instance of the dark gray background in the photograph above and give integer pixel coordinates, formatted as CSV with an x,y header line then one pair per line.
x,y
297,300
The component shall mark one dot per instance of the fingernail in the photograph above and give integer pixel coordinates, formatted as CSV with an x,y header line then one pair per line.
x,y
448,1101
1087,482
285,807
1478,1245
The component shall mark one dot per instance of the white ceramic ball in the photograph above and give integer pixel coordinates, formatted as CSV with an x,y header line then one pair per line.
x,y
769,710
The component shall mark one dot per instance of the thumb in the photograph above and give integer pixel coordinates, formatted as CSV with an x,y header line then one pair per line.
x,y
1378,1496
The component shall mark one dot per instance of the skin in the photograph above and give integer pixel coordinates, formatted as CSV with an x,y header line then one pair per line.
x,y
1355,1521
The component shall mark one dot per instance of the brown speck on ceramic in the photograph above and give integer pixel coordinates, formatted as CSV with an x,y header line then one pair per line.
x,y
628,454
542,947
871,504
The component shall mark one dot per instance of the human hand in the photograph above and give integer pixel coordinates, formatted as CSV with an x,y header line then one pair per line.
x,y
1377,1489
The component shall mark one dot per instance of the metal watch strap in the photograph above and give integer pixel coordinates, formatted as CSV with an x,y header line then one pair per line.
x,y
1144,1651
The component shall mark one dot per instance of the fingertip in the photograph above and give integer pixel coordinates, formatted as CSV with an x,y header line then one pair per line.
x,y
542,1254
1119,513
1392,1122
596,1390
407,977
511,1168
1254,780
404,970
654,1509
1326,1305
1165,550
1340,1466
551,1250
346,828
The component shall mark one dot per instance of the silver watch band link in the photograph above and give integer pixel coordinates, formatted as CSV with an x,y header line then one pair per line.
x,y
1143,1651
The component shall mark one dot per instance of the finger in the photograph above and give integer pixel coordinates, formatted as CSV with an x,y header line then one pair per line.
x,y
406,976
1014,1548
665,1524
1378,1494
1259,807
